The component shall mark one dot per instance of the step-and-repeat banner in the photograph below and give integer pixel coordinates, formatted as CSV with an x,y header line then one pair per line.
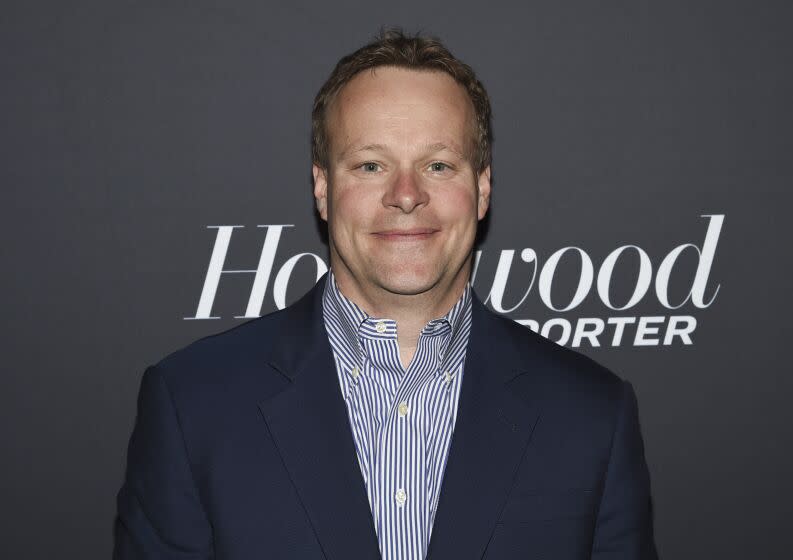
x,y
157,189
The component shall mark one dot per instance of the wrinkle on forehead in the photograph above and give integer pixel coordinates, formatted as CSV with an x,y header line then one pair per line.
x,y
431,148
404,128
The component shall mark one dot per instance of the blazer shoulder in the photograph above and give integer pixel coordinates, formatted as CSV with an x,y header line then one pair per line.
x,y
561,368
219,358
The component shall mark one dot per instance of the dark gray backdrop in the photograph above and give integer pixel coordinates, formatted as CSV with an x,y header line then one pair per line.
x,y
130,130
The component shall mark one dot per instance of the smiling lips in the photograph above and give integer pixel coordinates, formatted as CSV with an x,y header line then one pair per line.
x,y
413,234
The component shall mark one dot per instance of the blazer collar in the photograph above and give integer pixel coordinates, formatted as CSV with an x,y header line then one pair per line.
x,y
309,424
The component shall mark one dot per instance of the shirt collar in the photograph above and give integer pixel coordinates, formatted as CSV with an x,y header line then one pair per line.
x,y
350,322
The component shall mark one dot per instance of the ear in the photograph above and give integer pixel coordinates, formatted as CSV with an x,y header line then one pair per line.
x,y
320,190
483,184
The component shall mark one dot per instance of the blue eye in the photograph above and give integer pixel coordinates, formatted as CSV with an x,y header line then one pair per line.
x,y
438,166
369,167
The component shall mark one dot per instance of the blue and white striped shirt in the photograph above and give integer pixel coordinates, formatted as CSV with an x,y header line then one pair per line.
x,y
402,420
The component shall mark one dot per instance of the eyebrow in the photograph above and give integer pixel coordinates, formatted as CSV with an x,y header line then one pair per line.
x,y
440,146
367,147
435,147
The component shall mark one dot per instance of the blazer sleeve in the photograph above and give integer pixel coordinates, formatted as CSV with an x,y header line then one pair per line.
x,y
624,527
159,512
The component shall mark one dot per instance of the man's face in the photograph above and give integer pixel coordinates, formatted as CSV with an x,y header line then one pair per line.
x,y
401,197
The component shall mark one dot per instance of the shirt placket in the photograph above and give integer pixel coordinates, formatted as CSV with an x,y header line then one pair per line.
x,y
406,500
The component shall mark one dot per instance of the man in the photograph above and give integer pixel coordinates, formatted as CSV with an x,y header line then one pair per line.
x,y
388,414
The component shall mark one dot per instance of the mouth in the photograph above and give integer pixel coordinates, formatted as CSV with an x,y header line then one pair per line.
x,y
412,234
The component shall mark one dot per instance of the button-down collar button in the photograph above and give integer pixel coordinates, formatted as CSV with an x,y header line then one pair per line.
x,y
380,327
448,376
403,408
355,372
400,497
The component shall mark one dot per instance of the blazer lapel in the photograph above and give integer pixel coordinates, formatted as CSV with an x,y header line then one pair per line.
x,y
309,425
490,438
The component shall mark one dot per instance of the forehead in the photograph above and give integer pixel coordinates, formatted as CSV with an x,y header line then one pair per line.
x,y
391,103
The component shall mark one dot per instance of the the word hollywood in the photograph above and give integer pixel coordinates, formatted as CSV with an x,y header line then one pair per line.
x,y
595,331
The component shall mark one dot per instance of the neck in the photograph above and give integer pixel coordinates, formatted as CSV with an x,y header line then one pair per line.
x,y
411,312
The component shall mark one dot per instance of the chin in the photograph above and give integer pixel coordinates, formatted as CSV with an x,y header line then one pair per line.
x,y
408,284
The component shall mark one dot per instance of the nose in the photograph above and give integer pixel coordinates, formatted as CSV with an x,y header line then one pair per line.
x,y
405,192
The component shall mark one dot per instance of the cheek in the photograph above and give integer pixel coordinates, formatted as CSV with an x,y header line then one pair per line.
x,y
458,209
351,208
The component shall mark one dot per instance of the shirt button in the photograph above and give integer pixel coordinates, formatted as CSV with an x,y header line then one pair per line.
x,y
400,497
380,327
448,375
403,408
355,373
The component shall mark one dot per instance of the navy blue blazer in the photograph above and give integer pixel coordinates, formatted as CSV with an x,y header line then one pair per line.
x,y
242,450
